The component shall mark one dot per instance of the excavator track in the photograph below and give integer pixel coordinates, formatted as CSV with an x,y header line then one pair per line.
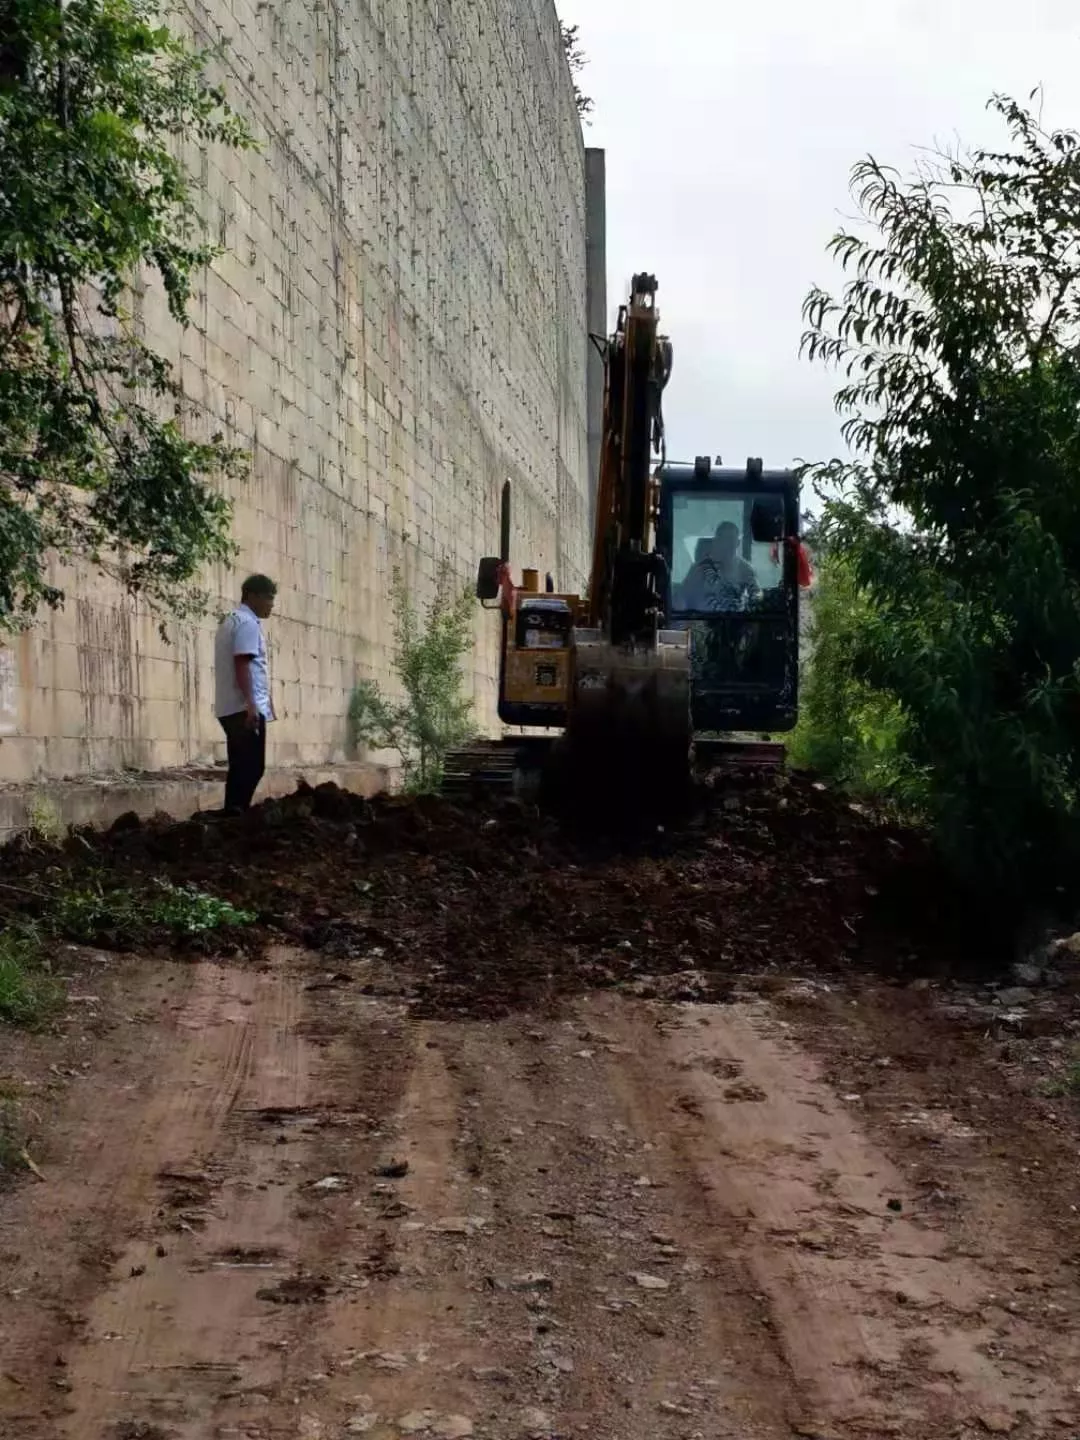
x,y
510,766
513,765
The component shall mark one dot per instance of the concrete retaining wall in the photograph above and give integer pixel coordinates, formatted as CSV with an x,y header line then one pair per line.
x,y
399,325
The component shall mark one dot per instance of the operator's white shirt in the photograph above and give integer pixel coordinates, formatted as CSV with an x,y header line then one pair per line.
x,y
240,633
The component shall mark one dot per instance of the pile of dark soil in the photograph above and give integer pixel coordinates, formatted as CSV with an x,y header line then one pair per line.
x,y
477,910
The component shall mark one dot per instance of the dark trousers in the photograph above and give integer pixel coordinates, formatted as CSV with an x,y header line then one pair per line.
x,y
246,748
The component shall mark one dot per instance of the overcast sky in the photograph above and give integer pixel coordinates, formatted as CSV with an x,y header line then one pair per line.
x,y
730,131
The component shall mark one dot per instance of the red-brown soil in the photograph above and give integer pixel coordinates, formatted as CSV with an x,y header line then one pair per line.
x,y
739,1132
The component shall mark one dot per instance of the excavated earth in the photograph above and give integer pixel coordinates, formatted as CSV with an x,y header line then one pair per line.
x,y
745,1127
486,908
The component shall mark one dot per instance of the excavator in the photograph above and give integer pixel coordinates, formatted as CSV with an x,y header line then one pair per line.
x,y
683,650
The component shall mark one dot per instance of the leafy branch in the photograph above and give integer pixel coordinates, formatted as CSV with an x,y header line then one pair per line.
x,y
96,98
954,530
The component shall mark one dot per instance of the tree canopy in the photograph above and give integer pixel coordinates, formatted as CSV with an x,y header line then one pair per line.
x,y
954,525
96,463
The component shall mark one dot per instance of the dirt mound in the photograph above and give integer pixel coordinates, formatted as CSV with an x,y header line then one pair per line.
x,y
477,910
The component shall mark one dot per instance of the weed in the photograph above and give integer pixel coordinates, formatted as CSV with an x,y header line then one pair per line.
x,y
1067,1083
188,911
12,1144
29,993
15,1142
126,916
43,820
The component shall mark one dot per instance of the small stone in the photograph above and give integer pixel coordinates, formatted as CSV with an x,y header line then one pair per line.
x,y
813,1240
650,1282
998,1422
1026,974
453,1427
492,1374
535,1424
1016,995
361,1424
532,1281
669,1407
416,1422
395,1170
331,1182
389,1360
896,1206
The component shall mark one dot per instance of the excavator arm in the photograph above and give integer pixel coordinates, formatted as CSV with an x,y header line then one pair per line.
x,y
628,727
626,583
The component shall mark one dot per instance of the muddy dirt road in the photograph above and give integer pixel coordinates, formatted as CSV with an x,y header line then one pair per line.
x,y
317,1195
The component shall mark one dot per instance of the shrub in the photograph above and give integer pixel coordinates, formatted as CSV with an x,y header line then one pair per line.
x,y
847,729
957,521
434,715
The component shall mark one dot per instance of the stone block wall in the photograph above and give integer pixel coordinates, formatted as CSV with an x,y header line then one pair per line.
x,y
398,325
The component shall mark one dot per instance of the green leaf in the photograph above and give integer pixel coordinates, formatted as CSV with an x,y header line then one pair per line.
x,y
947,627
94,463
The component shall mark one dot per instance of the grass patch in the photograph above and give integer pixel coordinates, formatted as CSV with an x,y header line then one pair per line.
x,y
29,993
14,1141
94,912
1067,1083
11,1143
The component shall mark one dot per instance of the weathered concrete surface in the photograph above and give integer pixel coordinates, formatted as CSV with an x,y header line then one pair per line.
x,y
596,307
180,793
399,325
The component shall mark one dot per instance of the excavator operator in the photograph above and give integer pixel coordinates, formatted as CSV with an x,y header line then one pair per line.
x,y
720,579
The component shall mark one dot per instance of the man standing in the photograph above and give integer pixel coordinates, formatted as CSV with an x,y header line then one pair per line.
x,y
242,690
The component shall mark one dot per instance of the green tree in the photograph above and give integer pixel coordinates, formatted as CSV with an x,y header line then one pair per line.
x,y
433,715
96,98
958,518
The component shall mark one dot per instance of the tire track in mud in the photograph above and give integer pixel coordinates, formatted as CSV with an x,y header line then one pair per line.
x,y
309,1216
167,1313
186,1200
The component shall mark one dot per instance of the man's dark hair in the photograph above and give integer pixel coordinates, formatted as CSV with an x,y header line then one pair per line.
x,y
258,585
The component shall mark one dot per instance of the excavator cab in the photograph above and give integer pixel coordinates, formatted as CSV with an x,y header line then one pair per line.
x,y
735,566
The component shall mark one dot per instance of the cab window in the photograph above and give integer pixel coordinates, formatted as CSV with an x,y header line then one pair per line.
x,y
704,574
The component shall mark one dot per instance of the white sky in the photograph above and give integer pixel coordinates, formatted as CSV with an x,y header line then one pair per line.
x,y
730,131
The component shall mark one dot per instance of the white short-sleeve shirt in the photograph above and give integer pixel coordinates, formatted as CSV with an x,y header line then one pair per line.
x,y
240,633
